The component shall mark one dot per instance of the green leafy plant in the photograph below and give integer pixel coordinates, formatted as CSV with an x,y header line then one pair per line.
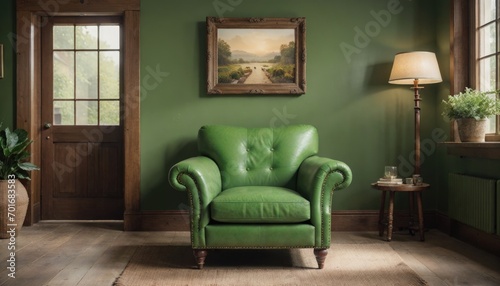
x,y
471,104
13,154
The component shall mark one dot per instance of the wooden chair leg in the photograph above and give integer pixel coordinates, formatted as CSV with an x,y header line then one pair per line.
x,y
200,255
320,254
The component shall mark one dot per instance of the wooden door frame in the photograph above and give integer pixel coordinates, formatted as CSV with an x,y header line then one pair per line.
x,y
29,15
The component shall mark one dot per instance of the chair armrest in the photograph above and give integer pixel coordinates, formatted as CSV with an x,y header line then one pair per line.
x,y
317,178
322,172
200,176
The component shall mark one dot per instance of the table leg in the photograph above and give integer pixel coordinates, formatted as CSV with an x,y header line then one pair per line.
x,y
391,215
411,221
420,216
381,215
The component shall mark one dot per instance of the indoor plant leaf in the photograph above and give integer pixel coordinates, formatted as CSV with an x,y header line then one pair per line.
x,y
13,154
12,139
471,110
28,166
22,145
471,104
21,174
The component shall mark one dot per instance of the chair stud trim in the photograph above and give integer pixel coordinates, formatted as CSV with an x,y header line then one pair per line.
x,y
191,221
323,189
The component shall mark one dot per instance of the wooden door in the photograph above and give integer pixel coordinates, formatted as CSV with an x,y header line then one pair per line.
x,y
82,134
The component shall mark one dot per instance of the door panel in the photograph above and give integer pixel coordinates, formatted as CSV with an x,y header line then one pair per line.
x,y
69,169
82,147
107,156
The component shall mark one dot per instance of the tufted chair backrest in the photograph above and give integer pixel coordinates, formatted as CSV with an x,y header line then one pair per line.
x,y
258,156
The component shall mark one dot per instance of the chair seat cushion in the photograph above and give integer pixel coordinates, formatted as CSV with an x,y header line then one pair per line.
x,y
260,204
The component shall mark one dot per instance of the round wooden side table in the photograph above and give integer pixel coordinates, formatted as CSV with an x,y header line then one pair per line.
x,y
392,189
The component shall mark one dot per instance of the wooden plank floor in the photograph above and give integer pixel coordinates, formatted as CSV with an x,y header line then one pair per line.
x,y
90,253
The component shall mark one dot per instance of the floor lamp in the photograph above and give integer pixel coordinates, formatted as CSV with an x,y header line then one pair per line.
x,y
414,68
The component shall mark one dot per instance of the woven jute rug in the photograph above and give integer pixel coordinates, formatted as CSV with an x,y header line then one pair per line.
x,y
346,264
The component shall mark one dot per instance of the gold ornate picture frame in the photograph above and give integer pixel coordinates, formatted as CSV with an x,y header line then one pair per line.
x,y
256,56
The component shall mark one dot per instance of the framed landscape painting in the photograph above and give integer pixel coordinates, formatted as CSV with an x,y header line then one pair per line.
x,y
256,55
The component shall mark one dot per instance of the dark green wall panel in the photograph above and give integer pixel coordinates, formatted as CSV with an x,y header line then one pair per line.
x,y
7,84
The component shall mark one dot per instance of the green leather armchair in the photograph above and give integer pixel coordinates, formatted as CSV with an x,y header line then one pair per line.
x,y
259,188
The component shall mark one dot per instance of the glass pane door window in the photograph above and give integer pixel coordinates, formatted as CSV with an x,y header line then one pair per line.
x,y
86,74
487,51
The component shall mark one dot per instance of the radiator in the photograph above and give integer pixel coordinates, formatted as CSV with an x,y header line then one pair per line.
x,y
473,201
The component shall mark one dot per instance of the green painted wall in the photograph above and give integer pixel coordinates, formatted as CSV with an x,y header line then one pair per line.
x,y
7,84
361,119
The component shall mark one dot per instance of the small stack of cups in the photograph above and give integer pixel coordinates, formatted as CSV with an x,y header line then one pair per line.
x,y
416,180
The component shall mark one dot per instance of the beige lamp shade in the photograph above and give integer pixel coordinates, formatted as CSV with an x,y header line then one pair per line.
x,y
409,66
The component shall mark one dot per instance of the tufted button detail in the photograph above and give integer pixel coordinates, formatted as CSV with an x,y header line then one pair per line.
x,y
271,168
272,149
248,169
248,149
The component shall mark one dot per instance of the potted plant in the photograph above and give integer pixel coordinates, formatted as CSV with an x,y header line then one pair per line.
x,y
13,166
471,110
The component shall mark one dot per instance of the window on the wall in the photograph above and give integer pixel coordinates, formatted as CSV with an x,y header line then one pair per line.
x,y
86,60
486,54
